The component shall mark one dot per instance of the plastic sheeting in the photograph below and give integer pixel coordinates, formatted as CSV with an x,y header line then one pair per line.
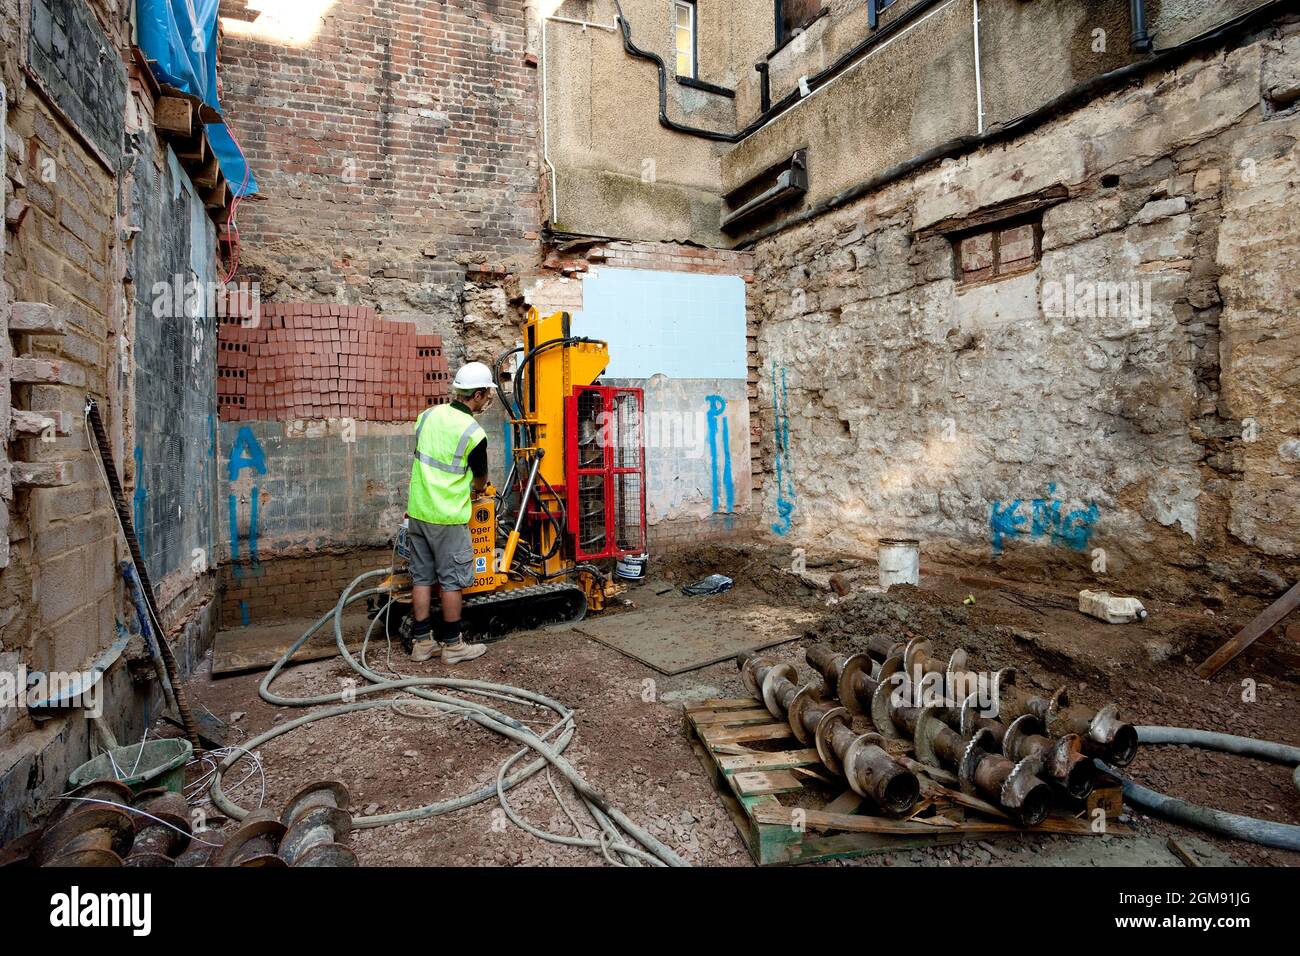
x,y
179,38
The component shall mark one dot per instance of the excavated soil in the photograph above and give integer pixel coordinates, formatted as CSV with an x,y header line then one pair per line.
x,y
630,745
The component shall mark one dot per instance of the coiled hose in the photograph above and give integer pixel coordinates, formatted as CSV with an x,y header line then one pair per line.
x,y
644,847
1284,836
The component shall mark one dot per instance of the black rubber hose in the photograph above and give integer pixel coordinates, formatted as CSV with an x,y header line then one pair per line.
x,y
137,559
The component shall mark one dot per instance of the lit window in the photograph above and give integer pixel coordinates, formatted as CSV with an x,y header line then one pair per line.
x,y
684,34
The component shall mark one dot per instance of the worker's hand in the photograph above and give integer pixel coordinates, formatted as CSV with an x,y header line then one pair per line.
x,y
486,492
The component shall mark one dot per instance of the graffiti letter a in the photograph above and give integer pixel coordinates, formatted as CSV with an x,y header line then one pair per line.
x,y
246,453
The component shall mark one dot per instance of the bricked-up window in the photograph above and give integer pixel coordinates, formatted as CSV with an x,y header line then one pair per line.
x,y
1004,249
794,16
684,38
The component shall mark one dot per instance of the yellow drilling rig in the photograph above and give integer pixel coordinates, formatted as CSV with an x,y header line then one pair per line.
x,y
573,501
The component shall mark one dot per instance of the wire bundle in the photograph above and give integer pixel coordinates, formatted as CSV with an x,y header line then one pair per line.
x,y
618,839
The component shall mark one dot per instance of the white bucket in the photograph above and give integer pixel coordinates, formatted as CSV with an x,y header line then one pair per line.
x,y
899,561
631,567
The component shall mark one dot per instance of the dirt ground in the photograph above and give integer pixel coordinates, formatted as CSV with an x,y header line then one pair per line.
x,y
630,745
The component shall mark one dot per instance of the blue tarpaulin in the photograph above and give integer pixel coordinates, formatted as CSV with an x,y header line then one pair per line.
x,y
179,38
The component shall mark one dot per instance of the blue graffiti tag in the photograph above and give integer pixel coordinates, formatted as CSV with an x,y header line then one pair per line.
x,y
1072,530
138,499
784,482
246,453
722,483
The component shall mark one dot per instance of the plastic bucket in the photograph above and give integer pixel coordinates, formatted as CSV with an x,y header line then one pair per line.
x,y
154,763
631,567
899,561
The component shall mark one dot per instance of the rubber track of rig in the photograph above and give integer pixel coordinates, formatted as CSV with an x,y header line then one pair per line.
x,y
543,604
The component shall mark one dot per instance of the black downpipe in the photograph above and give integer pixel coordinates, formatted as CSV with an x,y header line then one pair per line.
x,y
794,96
1139,40
625,29
764,88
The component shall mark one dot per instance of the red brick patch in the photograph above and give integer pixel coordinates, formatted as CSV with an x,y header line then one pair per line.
x,y
308,360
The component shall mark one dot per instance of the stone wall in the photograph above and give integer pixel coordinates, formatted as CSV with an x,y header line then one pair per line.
x,y
1115,401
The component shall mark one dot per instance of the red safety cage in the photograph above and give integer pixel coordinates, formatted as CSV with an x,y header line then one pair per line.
x,y
604,471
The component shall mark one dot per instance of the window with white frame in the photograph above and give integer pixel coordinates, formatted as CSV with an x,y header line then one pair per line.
x,y
684,37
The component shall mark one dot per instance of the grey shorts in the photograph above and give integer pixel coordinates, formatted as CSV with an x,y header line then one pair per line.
x,y
441,550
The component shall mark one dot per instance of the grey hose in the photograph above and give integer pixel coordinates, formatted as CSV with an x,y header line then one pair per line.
x,y
481,714
1285,836
1227,743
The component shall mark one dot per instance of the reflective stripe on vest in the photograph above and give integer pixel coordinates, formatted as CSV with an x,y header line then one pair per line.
x,y
440,473
461,447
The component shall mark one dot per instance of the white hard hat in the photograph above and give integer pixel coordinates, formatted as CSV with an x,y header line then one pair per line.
x,y
473,376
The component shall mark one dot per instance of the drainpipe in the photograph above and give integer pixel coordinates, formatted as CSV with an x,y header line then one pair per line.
x,y
764,89
1139,40
979,85
546,136
546,133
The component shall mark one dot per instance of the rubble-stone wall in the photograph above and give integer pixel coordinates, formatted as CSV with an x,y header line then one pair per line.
x,y
1109,395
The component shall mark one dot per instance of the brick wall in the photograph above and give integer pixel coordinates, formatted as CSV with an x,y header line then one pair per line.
x,y
327,361
272,591
396,148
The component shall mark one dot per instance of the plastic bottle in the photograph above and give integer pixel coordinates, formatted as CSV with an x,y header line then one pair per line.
x,y
1110,608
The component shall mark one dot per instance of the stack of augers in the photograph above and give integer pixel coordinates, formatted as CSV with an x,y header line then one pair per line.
x,y
1005,745
104,824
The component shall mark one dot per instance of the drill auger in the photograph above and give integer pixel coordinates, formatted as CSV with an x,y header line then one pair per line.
x,y
870,772
1014,785
1101,732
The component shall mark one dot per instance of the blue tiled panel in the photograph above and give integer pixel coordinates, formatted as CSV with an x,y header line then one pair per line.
x,y
672,323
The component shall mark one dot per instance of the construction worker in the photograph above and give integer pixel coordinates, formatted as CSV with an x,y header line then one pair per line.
x,y
450,456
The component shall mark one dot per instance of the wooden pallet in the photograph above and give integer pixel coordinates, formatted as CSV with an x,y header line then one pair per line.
x,y
753,760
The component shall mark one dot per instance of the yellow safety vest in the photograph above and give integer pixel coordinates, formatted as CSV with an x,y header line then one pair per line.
x,y
440,474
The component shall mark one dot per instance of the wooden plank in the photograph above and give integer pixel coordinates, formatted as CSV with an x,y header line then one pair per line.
x,y
735,735
846,802
721,703
754,782
722,717
219,197
193,151
1177,849
778,760
174,114
821,820
965,800
208,175
1250,633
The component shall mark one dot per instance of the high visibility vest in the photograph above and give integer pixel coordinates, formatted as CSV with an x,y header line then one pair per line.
x,y
440,475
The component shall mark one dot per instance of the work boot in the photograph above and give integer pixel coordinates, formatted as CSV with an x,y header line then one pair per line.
x,y
425,650
459,652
